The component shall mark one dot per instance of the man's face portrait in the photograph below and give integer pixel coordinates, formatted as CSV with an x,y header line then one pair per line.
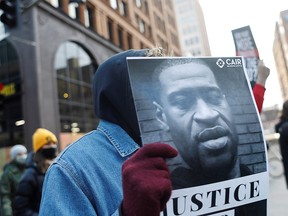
x,y
195,111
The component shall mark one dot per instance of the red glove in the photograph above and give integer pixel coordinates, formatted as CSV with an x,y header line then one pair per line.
x,y
146,180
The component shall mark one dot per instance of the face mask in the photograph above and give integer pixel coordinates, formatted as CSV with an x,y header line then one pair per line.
x,y
48,152
21,159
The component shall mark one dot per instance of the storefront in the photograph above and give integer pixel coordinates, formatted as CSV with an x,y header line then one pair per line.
x,y
46,73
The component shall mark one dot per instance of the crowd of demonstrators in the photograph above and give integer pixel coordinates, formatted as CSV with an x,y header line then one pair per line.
x,y
29,192
105,172
282,128
10,179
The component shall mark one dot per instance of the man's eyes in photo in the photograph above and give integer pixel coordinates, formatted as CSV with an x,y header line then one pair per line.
x,y
188,99
183,102
214,96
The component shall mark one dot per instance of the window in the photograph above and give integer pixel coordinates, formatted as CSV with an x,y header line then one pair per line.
x,y
138,3
110,30
11,115
129,41
123,9
146,9
54,3
141,26
74,10
89,17
120,37
75,70
114,4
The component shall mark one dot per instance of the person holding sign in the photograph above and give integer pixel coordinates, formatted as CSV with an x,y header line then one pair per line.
x,y
108,171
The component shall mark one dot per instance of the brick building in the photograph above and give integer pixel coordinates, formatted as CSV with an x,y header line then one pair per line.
x,y
47,63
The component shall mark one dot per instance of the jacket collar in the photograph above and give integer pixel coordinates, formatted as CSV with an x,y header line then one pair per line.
x,y
121,141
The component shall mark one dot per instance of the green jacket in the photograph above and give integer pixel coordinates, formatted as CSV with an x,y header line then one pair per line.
x,y
9,181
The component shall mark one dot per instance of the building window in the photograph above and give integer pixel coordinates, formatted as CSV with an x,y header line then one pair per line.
x,y
74,10
75,69
11,116
149,32
120,37
110,30
89,17
54,3
129,41
138,3
141,26
114,4
123,9
146,9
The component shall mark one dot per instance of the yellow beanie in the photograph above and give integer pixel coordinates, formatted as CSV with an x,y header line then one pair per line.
x,y
41,137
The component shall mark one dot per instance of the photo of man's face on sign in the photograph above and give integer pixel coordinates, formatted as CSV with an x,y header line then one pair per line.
x,y
203,107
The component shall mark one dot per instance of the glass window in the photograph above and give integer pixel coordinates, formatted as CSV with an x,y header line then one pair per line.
x,y
74,10
141,26
11,131
123,9
113,4
62,89
54,3
120,37
129,41
75,70
138,3
89,17
110,30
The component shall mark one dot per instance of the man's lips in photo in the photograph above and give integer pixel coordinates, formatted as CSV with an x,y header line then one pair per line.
x,y
214,138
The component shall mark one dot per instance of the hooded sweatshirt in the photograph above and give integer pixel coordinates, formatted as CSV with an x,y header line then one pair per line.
x,y
113,99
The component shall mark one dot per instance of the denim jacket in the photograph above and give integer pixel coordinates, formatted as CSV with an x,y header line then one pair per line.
x,y
85,178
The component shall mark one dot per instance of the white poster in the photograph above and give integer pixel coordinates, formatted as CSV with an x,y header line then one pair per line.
x,y
204,108
245,46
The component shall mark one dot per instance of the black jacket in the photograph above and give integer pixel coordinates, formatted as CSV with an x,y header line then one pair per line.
x,y
282,129
29,192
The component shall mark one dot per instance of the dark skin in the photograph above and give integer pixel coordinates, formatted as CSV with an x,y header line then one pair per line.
x,y
199,119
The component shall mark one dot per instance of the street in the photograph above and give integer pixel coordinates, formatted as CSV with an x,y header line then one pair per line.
x,y
278,193
278,197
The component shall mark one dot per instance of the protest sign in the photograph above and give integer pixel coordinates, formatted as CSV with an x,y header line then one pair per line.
x,y
245,46
204,108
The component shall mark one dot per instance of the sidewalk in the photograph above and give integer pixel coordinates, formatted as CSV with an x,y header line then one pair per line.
x,y
278,197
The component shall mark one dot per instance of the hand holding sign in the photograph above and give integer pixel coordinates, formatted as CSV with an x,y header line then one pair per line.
x,y
146,180
263,73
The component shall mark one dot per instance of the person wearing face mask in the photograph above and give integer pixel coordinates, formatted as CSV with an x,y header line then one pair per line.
x,y
29,192
12,173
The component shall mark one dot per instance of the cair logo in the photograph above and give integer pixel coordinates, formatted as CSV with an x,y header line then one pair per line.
x,y
220,63
229,62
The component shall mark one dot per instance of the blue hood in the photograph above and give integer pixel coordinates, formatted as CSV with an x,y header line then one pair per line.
x,y
113,100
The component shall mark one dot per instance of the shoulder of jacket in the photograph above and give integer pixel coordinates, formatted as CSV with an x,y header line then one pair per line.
x,y
10,167
283,127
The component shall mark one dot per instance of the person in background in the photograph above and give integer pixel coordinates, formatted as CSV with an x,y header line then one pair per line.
x,y
28,195
282,128
105,172
11,177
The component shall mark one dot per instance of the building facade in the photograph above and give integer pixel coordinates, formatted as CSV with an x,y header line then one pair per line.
x,y
48,62
191,28
280,51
